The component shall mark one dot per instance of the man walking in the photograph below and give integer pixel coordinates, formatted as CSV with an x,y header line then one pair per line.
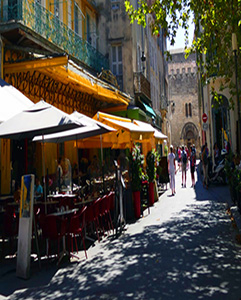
x,y
184,166
193,164
172,169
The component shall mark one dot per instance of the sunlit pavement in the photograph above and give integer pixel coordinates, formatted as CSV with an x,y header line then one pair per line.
x,y
185,249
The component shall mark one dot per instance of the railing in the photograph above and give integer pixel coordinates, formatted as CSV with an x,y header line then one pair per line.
x,y
42,21
142,85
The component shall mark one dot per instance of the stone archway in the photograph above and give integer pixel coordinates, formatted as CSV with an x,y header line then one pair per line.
x,y
189,134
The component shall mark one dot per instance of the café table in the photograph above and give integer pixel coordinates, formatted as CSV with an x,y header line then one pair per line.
x,y
50,205
61,195
4,198
85,202
64,213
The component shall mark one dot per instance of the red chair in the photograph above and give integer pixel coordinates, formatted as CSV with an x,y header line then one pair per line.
x,y
97,206
108,204
10,225
76,227
112,200
91,216
102,211
66,202
53,228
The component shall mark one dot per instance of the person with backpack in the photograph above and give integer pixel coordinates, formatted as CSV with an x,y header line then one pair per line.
x,y
193,164
172,170
184,166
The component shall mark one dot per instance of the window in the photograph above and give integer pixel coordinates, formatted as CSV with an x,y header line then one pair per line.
x,y
188,110
69,15
172,71
189,70
183,70
56,8
88,28
117,64
138,58
76,19
178,71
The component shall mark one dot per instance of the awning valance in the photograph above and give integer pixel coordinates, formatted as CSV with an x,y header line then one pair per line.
x,y
149,110
67,72
128,131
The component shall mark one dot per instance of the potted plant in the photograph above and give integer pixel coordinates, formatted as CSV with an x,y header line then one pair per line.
x,y
136,161
151,168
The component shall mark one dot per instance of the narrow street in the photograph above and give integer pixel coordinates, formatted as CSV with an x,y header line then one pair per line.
x,y
185,249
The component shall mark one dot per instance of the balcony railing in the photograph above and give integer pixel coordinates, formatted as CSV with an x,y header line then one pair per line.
x,y
47,25
142,85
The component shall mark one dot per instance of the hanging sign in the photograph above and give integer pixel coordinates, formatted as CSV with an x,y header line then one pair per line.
x,y
25,226
205,126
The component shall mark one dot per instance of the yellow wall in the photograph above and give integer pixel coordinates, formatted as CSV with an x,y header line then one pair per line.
x,y
70,152
5,166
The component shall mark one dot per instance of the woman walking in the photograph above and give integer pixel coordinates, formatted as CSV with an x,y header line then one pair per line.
x,y
172,170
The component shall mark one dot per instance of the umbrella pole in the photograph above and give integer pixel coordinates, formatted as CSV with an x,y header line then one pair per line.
x,y
102,160
43,160
101,153
77,163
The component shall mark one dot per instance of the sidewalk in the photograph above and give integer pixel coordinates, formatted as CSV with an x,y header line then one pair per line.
x,y
185,249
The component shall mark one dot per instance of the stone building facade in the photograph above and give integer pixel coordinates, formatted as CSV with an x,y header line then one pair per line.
x,y
183,109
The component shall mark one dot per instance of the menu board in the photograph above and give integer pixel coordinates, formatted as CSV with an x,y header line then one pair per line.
x,y
27,195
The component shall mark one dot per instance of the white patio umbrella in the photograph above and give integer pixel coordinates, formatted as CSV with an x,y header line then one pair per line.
x,y
41,118
12,101
90,128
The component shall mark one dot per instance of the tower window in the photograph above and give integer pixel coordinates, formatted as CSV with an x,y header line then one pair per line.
x,y
188,110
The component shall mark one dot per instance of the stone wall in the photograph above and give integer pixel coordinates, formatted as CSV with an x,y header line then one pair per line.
x,y
183,110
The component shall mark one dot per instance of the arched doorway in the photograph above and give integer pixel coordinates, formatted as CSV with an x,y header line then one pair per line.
x,y
189,134
221,121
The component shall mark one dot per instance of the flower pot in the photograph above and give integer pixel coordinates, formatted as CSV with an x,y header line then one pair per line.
x,y
137,204
151,193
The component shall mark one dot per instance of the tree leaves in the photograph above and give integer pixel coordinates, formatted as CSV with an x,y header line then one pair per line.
x,y
215,21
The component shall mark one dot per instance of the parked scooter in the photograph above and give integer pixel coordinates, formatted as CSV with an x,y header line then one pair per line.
x,y
218,174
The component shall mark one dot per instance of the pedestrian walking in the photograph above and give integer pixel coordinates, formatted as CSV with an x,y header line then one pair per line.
x,y
193,165
205,166
179,156
184,166
172,169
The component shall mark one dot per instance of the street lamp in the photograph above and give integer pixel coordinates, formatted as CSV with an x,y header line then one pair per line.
x,y
143,59
235,51
172,103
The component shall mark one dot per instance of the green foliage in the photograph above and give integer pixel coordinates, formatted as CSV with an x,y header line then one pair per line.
x,y
151,164
233,174
136,160
214,20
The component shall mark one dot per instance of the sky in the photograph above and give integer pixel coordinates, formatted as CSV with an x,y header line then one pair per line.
x,y
180,41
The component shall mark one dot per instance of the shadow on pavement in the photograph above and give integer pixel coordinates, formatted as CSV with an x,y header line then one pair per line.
x,y
191,256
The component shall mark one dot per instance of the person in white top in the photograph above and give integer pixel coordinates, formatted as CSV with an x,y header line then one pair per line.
x,y
172,169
